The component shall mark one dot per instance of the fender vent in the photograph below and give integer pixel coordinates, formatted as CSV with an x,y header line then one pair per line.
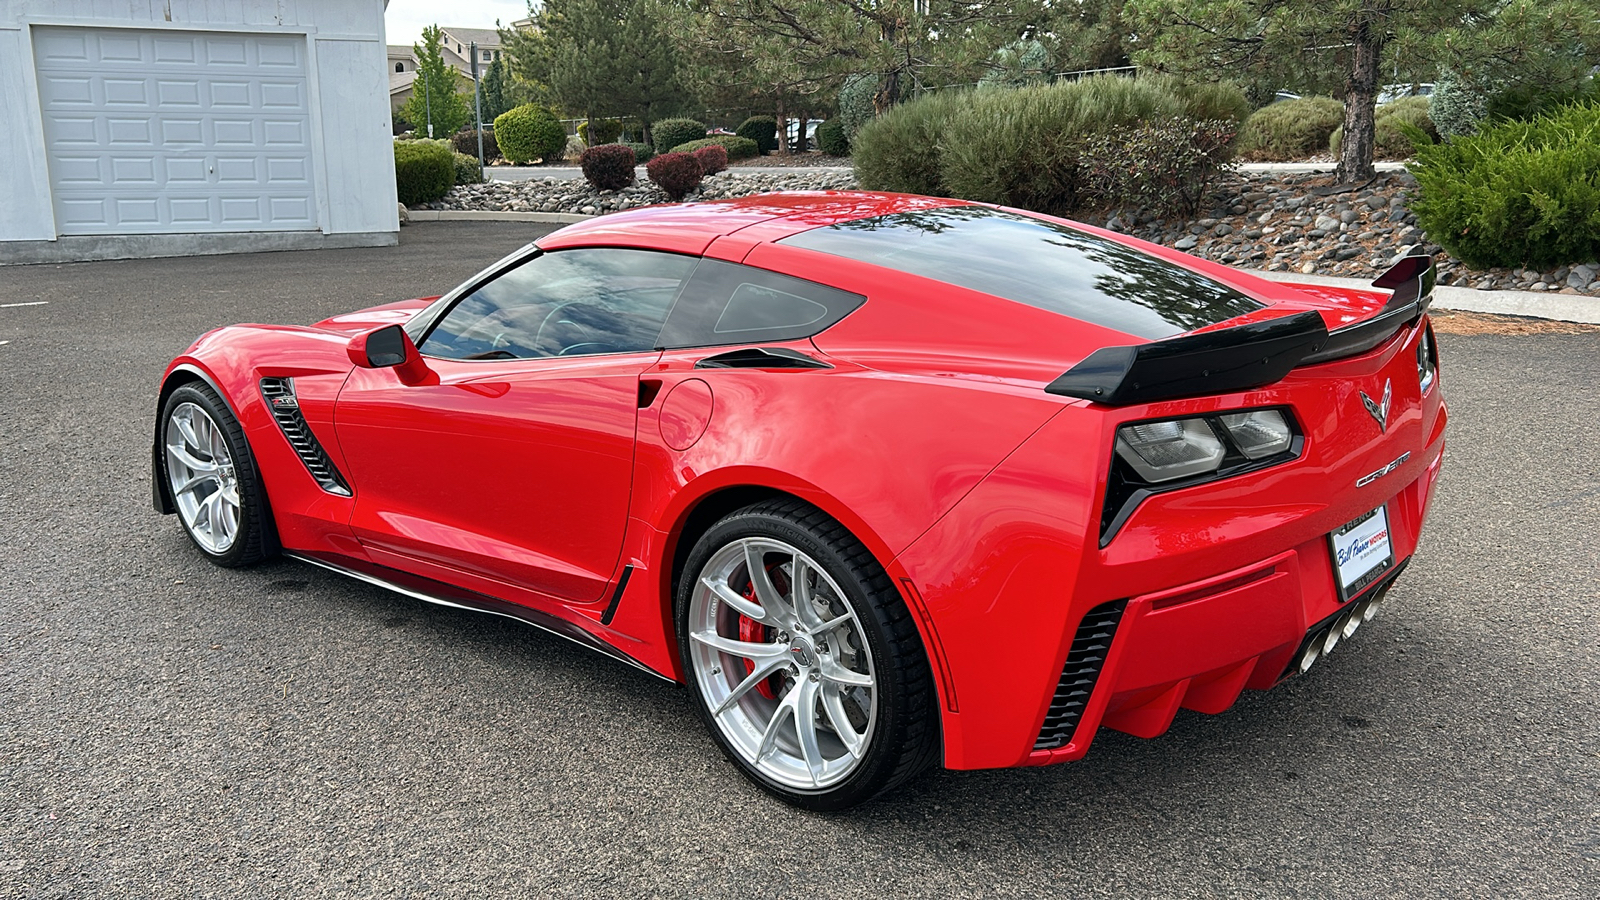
x,y
279,394
1078,676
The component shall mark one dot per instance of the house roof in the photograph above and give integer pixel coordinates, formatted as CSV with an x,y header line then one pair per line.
x,y
400,81
486,38
399,50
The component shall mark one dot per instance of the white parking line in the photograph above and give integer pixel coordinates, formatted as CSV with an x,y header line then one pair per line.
x,y
31,303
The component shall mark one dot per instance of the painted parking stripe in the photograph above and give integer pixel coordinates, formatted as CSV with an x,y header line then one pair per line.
x,y
32,303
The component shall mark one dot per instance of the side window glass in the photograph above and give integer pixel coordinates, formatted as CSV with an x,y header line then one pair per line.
x,y
566,303
727,303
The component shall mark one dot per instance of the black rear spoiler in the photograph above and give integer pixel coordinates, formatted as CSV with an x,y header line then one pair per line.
x,y
1247,356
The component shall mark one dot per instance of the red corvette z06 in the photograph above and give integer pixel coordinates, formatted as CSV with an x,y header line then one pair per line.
x,y
884,480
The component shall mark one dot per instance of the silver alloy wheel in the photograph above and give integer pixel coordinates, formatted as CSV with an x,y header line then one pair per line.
x,y
200,474
782,662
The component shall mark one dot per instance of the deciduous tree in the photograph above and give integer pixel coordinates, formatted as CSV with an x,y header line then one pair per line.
x,y
434,95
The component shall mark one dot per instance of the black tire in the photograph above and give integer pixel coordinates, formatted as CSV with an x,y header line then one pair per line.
x,y
256,539
905,741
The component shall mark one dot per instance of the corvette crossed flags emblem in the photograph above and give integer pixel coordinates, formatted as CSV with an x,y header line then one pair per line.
x,y
1380,411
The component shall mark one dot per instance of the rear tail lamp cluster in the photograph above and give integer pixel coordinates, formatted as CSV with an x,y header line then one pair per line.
x,y
1427,359
1175,449
1169,454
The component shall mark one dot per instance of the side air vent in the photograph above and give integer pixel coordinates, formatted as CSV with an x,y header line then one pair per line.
x,y
1078,676
279,394
762,358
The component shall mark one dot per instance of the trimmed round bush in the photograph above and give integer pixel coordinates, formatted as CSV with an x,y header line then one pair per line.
x,y
608,167
467,170
1516,193
713,158
424,171
1291,129
675,173
737,147
831,138
672,132
761,129
531,133
1389,134
467,142
641,152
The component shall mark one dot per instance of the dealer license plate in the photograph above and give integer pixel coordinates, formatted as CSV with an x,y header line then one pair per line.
x,y
1361,552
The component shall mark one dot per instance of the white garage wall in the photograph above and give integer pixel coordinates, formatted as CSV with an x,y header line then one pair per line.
x,y
355,188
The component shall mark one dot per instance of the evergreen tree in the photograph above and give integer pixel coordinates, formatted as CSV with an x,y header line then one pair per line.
x,y
494,89
602,58
433,95
1347,47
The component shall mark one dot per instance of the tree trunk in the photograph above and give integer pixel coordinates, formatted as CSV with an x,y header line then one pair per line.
x,y
888,90
1360,98
783,130
800,144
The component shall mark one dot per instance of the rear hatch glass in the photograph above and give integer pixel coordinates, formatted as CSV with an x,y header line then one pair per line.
x,y
1043,264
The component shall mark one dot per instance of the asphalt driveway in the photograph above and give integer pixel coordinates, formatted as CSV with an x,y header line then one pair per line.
x,y
168,728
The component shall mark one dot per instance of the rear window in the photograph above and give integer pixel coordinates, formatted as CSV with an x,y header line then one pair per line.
x,y
1042,264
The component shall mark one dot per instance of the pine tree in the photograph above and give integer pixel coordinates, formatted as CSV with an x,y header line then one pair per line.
x,y
603,58
494,89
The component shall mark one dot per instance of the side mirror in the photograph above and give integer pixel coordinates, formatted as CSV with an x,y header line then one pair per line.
x,y
389,347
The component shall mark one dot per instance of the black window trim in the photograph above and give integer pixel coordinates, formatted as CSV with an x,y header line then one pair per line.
x,y
423,324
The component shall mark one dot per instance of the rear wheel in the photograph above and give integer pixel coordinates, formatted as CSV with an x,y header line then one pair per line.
x,y
802,658
212,478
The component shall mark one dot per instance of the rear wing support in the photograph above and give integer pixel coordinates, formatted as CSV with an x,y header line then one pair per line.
x,y
1247,356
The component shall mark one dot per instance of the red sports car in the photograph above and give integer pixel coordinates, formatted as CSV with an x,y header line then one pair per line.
x,y
885,480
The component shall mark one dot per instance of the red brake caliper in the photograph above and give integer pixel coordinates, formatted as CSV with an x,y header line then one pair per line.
x,y
754,632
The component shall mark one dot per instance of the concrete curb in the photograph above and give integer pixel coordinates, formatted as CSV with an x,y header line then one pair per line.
x,y
489,215
1561,307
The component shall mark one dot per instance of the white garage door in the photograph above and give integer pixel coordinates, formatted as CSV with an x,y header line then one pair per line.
x,y
168,131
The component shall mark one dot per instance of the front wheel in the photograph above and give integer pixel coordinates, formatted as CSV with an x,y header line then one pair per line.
x,y
802,658
212,478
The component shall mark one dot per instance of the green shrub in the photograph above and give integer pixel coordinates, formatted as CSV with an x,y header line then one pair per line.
x,y
467,170
900,150
831,138
1164,164
1217,100
605,131
737,147
1020,147
857,103
1291,129
1456,105
1055,148
1527,100
641,152
467,142
529,133
424,170
1516,193
608,167
676,173
1390,139
670,133
761,129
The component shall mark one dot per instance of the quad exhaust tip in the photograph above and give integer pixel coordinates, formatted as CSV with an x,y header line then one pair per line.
x,y
1342,628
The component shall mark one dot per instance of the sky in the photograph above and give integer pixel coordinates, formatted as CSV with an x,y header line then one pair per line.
x,y
404,20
